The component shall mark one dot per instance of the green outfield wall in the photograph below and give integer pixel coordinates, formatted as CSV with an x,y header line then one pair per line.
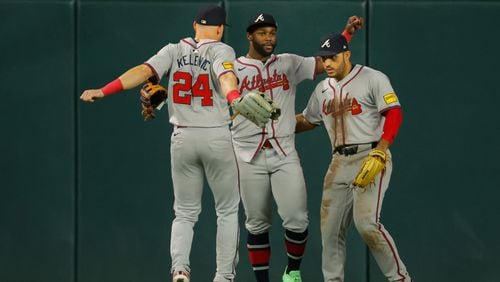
x,y
85,190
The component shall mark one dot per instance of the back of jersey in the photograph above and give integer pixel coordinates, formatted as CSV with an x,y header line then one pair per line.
x,y
194,96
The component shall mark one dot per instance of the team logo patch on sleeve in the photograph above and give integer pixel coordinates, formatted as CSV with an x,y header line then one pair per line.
x,y
390,98
227,65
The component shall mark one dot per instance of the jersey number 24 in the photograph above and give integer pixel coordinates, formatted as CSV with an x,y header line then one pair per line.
x,y
200,88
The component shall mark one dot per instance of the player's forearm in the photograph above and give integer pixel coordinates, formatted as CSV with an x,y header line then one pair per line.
x,y
302,124
320,68
353,23
383,145
347,36
229,85
130,79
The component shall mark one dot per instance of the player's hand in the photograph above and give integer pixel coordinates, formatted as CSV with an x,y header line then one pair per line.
x,y
255,108
353,23
153,96
91,95
373,164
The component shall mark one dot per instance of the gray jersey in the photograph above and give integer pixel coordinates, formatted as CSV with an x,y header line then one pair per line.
x,y
194,95
278,79
350,108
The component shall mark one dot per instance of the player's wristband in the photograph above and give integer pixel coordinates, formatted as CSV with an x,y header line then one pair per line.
x,y
112,87
231,95
347,35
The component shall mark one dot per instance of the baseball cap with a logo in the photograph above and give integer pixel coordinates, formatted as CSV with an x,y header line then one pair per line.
x,y
261,20
332,44
211,15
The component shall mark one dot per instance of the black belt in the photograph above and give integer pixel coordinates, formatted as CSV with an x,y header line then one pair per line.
x,y
347,150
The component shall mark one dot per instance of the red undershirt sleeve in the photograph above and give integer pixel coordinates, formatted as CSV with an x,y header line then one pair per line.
x,y
393,119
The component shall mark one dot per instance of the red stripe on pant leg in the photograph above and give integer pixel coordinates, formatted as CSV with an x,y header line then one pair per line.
x,y
259,257
380,226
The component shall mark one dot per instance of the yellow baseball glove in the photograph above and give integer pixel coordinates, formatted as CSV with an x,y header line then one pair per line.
x,y
372,165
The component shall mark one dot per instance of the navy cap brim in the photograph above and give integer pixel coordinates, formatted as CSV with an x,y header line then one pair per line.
x,y
326,53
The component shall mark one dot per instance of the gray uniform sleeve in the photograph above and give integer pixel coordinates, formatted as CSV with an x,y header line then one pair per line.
x,y
162,61
301,67
224,56
312,112
383,93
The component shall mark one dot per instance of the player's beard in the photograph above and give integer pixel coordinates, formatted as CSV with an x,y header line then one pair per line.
x,y
259,48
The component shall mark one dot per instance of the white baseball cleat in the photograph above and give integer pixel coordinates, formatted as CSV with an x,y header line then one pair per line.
x,y
180,276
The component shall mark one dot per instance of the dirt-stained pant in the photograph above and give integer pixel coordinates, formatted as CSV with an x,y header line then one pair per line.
x,y
341,203
197,153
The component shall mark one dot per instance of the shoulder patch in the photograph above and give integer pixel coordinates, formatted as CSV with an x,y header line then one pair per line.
x,y
390,98
227,65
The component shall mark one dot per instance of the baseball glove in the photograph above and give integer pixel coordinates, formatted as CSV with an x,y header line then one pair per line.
x,y
372,165
276,112
152,96
256,107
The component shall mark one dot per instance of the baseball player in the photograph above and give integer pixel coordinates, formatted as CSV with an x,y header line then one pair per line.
x,y
269,164
201,83
362,114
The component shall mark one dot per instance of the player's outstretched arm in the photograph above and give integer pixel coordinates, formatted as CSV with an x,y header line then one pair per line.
x,y
302,124
229,87
130,79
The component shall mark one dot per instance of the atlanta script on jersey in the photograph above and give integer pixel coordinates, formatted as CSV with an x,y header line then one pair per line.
x,y
351,111
277,78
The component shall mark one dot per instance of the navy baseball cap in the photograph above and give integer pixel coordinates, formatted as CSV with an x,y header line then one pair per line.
x,y
332,44
211,15
261,20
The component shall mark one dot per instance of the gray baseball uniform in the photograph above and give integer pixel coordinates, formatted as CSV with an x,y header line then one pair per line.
x,y
201,146
351,111
276,171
